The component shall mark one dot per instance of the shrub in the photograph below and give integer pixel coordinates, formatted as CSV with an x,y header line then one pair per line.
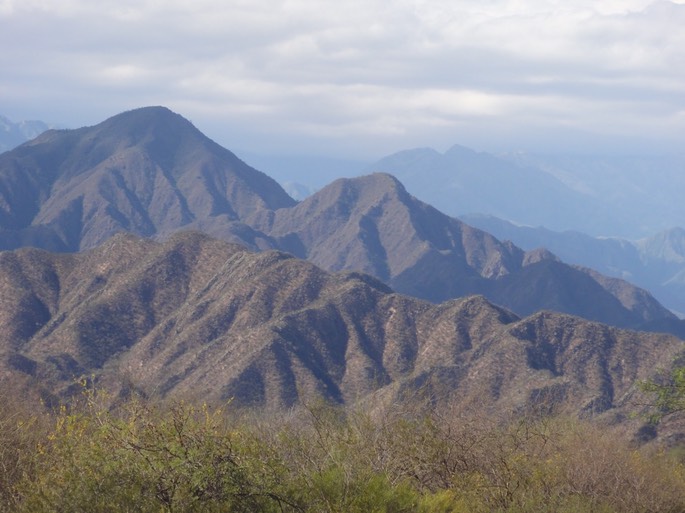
x,y
21,431
187,458
143,459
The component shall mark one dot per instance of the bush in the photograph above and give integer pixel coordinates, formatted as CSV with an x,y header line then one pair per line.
x,y
187,458
21,432
143,459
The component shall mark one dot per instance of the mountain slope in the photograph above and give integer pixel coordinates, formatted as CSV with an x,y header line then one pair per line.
x,y
13,134
643,191
147,171
372,224
196,316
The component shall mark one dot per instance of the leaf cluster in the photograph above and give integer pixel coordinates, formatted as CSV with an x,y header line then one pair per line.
x,y
668,393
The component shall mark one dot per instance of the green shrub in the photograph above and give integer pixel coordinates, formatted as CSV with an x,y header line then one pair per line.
x,y
186,458
179,460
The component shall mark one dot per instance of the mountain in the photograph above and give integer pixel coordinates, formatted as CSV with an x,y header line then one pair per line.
x,y
373,225
147,171
462,181
656,263
13,134
152,173
667,246
643,191
195,316
624,196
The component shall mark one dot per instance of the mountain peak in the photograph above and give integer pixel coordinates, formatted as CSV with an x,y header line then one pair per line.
x,y
148,171
458,149
377,183
358,192
146,116
148,124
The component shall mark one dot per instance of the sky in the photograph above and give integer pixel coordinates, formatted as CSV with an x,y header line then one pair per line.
x,y
359,79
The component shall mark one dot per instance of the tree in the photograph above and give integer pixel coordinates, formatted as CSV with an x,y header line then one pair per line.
x,y
669,391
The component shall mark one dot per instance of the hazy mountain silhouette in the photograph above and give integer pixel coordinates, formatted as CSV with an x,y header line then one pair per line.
x,y
656,263
13,134
462,181
643,191
626,196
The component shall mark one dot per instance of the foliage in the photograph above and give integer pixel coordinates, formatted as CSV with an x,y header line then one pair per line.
x,y
668,390
20,433
144,459
183,457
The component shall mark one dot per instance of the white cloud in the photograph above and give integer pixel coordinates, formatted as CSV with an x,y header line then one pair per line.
x,y
322,69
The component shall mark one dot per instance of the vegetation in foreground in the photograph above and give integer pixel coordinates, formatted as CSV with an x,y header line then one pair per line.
x,y
184,457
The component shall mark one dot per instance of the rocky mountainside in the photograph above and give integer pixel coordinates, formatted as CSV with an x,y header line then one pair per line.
x,y
151,173
147,171
197,316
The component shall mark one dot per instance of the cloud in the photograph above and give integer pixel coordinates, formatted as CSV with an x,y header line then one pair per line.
x,y
340,73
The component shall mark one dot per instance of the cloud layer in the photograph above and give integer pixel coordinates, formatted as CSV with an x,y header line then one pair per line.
x,y
355,77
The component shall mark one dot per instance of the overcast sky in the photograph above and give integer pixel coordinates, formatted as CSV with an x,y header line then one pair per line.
x,y
359,78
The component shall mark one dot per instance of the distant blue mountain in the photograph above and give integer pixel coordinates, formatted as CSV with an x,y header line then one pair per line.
x,y
645,192
13,134
656,263
462,181
610,196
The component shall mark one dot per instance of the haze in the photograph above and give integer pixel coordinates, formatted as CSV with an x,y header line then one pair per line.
x,y
359,79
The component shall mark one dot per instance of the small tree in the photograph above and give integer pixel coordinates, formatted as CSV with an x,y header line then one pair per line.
x,y
669,393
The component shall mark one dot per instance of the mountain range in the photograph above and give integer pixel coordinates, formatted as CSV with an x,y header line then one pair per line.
x,y
151,172
199,317
462,181
630,197
656,263
627,196
643,190
141,254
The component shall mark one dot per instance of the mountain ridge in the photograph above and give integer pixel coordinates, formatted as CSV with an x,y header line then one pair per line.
x,y
462,181
89,180
12,134
655,263
372,224
152,173
202,317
